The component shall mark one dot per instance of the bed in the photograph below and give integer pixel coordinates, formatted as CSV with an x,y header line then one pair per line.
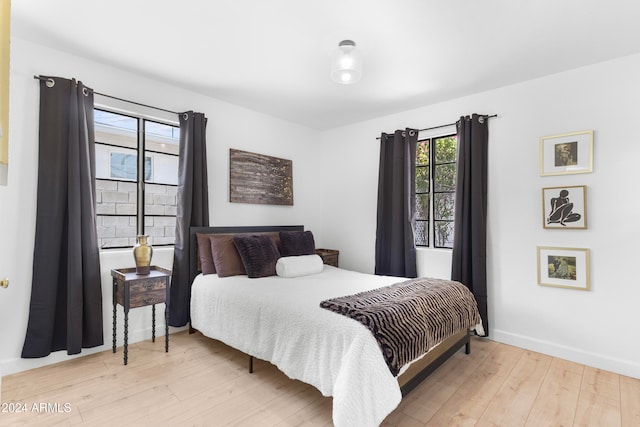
x,y
279,319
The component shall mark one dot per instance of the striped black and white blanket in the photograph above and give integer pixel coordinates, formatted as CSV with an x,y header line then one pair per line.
x,y
409,318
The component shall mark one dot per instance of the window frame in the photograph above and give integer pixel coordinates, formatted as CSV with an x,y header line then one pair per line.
x,y
431,220
141,181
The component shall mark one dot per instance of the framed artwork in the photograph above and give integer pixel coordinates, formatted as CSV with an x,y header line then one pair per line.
x,y
564,207
563,267
260,179
567,153
5,6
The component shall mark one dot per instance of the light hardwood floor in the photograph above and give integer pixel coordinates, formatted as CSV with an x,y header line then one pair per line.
x,y
202,382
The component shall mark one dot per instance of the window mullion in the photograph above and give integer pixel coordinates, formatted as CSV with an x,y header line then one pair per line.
x,y
432,184
141,176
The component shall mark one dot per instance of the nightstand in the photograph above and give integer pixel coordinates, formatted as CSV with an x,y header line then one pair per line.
x,y
329,256
132,290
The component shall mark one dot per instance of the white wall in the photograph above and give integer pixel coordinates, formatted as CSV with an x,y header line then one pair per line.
x,y
595,327
228,126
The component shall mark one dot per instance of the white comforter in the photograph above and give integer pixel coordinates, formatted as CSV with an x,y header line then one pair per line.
x,y
279,320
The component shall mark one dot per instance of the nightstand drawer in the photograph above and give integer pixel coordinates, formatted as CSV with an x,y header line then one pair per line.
x,y
329,256
147,297
331,259
143,292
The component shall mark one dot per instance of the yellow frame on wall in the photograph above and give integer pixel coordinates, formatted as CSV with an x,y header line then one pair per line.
x,y
577,268
5,13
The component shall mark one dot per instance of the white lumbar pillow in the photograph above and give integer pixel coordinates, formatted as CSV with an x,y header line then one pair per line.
x,y
301,265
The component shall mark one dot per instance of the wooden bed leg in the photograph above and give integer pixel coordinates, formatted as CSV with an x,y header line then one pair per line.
x,y
467,345
251,364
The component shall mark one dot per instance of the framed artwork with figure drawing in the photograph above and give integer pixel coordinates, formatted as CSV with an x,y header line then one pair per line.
x,y
564,207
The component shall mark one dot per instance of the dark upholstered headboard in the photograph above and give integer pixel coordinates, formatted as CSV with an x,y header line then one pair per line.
x,y
193,241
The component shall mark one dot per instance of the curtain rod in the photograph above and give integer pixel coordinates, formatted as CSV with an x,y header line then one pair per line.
x,y
486,116
112,97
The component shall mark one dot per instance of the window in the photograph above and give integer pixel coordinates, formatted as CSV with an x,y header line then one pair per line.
x,y
125,166
435,191
134,197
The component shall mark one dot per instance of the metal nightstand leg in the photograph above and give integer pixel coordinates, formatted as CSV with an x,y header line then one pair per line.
x,y
126,336
114,329
153,323
114,315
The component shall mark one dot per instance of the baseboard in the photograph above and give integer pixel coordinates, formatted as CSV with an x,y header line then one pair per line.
x,y
12,366
620,366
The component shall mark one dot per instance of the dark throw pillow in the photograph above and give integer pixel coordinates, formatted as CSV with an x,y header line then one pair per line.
x,y
297,243
259,255
225,256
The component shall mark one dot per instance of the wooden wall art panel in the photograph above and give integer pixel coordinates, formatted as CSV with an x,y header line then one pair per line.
x,y
259,179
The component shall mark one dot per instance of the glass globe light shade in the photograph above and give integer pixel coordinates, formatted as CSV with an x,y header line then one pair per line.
x,y
346,63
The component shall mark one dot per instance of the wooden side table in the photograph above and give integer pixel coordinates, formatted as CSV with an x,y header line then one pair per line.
x,y
329,256
132,290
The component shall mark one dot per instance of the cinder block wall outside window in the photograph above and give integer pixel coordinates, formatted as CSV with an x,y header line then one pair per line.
x,y
116,210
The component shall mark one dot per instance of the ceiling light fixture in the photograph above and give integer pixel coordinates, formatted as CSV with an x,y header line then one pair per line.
x,y
346,63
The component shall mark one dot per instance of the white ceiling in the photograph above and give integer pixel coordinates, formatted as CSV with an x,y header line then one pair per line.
x,y
273,55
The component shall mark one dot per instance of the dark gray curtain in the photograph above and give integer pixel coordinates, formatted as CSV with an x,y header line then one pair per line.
x,y
395,247
66,296
193,209
469,258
